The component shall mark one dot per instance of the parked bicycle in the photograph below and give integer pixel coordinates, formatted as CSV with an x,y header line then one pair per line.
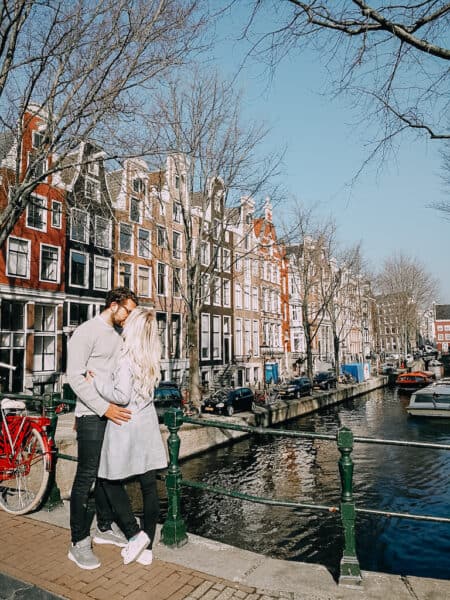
x,y
27,456
266,397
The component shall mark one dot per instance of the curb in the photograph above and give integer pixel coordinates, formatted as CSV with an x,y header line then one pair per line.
x,y
14,589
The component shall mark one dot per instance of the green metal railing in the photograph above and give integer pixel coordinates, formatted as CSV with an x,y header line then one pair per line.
x,y
174,528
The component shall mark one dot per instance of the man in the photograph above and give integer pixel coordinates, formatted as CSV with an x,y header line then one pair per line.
x,y
94,347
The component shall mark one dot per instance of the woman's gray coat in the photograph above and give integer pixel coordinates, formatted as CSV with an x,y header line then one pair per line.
x,y
136,446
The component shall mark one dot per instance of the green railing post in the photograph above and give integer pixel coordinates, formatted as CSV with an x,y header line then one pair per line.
x,y
173,531
53,499
350,573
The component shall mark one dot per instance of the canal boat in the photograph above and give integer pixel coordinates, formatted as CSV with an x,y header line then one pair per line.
x,y
431,401
410,382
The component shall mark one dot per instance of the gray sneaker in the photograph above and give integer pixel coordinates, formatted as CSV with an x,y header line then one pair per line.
x,y
81,554
112,536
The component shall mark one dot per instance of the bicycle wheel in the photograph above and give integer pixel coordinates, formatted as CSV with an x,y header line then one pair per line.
x,y
24,491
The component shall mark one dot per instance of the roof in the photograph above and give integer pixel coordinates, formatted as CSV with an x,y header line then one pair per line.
x,y
442,312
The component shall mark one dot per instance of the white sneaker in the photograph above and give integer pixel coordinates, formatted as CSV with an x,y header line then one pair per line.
x,y
145,558
135,546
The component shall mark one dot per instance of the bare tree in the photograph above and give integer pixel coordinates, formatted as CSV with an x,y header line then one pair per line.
x,y
405,283
309,248
390,58
216,159
344,306
82,66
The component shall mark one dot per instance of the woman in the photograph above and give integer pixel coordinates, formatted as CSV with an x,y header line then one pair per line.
x,y
134,448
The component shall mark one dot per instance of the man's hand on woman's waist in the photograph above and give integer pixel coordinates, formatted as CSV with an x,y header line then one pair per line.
x,y
117,414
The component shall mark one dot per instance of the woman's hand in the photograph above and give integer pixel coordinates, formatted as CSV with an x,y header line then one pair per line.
x,y
89,376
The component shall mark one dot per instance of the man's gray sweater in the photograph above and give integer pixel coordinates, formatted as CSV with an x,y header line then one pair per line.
x,y
94,346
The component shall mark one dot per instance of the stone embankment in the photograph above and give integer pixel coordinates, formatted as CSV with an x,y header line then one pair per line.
x,y
196,439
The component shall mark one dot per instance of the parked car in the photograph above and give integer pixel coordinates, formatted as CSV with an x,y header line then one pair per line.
x,y
325,380
167,395
295,388
227,402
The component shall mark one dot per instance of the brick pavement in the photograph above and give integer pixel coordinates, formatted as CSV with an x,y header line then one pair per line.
x,y
36,552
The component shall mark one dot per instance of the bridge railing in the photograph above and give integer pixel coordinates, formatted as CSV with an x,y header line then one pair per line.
x,y
174,528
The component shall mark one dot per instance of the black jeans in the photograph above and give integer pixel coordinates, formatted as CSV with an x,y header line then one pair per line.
x,y
120,502
90,432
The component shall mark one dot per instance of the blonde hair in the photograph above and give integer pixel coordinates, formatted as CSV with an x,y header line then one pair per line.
x,y
142,346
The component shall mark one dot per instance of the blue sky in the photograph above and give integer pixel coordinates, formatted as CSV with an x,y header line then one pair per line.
x,y
387,209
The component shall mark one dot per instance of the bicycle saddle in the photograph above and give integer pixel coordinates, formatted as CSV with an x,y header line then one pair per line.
x,y
9,404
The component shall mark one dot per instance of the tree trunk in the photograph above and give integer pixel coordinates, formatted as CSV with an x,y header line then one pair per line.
x,y
337,366
195,393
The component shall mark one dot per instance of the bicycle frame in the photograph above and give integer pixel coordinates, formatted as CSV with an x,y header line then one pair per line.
x,y
15,430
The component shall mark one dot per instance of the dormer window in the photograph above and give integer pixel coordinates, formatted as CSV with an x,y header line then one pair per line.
x,y
92,190
139,186
93,168
38,139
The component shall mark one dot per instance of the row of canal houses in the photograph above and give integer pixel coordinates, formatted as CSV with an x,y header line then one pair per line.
x,y
87,229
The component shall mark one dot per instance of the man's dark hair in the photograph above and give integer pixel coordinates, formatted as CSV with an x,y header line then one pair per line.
x,y
119,295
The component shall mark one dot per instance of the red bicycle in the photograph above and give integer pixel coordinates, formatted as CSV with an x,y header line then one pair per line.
x,y
26,457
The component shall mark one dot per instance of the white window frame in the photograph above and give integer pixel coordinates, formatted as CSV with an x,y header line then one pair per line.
x,y
226,260
86,277
164,293
43,161
255,347
216,291
141,268
43,206
41,135
139,201
96,187
85,239
161,236
149,251
122,283
177,212
238,336
205,336
121,250
57,212
217,337
98,259
237,295
204,253
97,242
58,263
226,292
93,167
177,271
28,258
177,246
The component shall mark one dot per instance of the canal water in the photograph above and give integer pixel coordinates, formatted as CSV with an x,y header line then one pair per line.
x,y
390,478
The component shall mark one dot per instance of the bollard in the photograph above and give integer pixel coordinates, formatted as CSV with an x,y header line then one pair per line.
x,y
173,532
350,573
53,498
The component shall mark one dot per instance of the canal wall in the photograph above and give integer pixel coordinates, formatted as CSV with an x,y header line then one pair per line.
x,y
196,439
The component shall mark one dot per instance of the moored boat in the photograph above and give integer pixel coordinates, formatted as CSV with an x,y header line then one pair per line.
x,y
431,401
410,382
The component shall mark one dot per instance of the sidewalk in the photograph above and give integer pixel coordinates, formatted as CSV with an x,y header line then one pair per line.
x,y
33,549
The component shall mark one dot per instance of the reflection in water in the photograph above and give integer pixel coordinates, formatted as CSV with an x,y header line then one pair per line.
x,y
385,477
